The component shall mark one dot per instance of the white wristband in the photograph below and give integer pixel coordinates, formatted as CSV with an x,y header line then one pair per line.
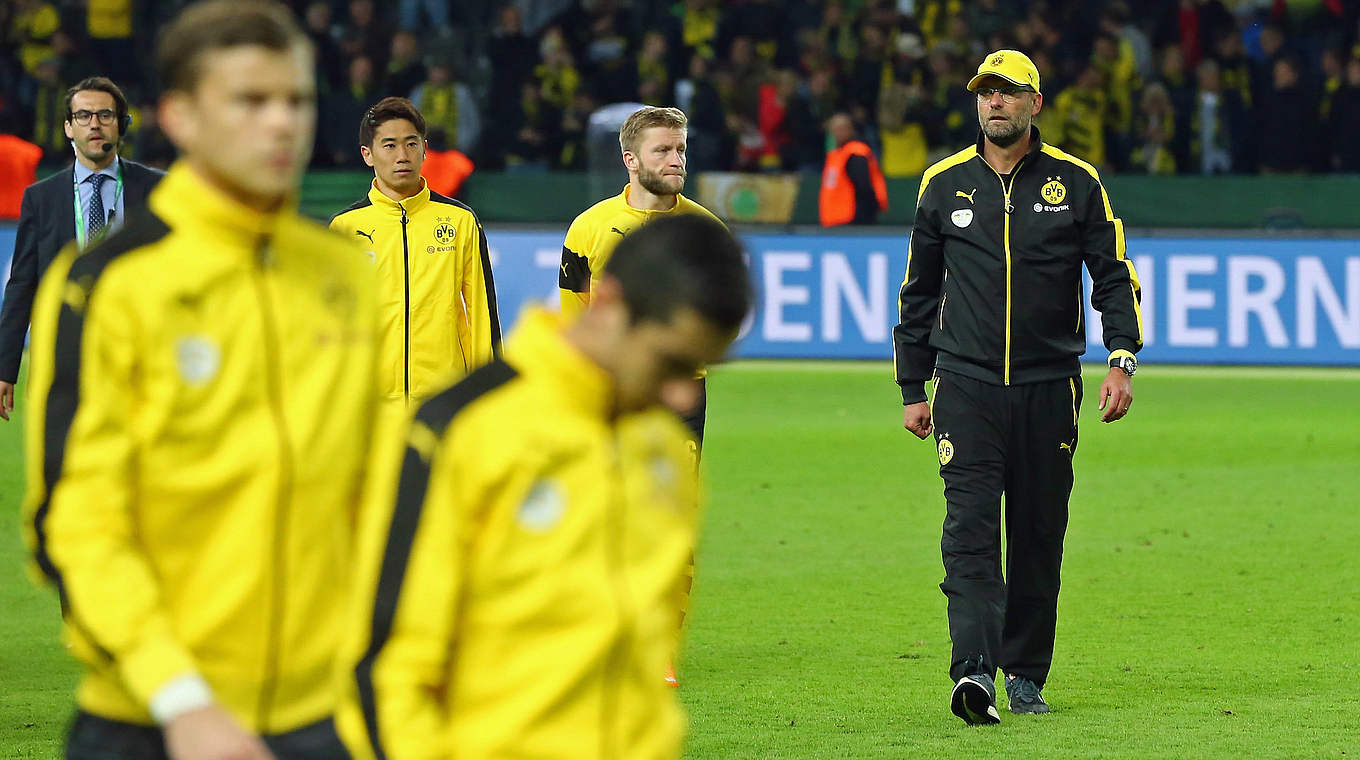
x,y
184,694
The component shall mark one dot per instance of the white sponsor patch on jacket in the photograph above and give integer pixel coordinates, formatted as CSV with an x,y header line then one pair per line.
x,y
198,358
962,218
542,509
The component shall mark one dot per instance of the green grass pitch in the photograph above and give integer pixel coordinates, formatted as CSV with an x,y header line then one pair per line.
x,y
1210,608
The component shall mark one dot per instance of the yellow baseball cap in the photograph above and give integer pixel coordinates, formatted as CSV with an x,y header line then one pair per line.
x,y
1011,65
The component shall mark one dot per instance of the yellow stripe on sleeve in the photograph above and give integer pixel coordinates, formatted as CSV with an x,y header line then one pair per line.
x,y
1120,242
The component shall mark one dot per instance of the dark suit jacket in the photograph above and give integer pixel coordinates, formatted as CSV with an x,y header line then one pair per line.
x,y
47,222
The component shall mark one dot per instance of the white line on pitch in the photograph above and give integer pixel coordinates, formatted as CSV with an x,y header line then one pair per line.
x,y
1146,371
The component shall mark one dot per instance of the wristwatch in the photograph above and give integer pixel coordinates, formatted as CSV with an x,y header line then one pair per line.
x,y
1125,363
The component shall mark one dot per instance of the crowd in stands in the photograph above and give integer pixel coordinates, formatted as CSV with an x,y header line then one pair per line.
x,y
1140,86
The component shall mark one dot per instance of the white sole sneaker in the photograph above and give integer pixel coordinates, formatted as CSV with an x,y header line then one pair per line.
x,y
973,702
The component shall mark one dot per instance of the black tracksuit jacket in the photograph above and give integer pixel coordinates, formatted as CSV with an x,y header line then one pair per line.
x,y
993,287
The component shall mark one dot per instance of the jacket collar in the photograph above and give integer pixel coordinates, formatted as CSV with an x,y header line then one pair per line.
x,y
1035,144
412,204
83,172
185,199
622,199
538,347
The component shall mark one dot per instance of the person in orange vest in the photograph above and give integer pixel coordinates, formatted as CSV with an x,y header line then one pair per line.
x,y
18,167
853,188
445,168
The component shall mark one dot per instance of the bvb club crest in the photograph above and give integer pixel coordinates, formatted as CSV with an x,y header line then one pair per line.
x,y
946,451
1054,192
444,231
997,61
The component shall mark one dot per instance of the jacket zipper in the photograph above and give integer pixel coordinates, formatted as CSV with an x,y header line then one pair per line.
x,y
943,298
406,284
274,389
1006,239
614,660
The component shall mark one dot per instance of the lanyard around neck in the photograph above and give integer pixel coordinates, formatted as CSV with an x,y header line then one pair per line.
x,y
80,212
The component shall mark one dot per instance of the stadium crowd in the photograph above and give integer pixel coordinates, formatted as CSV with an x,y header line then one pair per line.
x,y
1154,86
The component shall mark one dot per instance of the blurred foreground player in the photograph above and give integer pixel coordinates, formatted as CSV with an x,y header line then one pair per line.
x,y
518,599
201,402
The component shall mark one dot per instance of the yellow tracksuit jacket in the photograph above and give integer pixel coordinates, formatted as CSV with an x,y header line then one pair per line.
x,y
200,405
436,298
519,598
591,239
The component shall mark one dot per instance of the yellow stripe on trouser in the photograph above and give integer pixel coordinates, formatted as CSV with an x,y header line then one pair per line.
x,y
682,605
1072,383
686,586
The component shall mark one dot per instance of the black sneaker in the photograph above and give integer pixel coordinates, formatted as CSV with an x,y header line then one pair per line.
x,y
974,700
1025,696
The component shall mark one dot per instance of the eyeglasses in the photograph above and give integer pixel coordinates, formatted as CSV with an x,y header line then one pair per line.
x,y
82,117
1008,94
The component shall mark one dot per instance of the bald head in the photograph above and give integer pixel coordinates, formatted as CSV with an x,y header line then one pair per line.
x,y
841,128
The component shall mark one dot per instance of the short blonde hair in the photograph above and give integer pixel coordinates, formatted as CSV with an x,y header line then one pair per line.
x,y
645,118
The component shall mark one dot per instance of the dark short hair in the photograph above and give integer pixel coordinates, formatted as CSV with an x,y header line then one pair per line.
x,y
103,84
385,110
217,24
684,261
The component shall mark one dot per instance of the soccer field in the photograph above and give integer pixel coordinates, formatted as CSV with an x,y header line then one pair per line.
x,y
1211,604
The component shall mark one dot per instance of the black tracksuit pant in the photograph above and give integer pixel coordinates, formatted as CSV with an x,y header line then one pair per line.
x,y
695,419
1018,441
94,738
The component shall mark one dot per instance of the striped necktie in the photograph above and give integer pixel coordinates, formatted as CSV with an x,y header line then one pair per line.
x,y
94,214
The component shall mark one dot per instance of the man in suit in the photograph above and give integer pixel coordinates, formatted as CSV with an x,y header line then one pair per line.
x,y
81,203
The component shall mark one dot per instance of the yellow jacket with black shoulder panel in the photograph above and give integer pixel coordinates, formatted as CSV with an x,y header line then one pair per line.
x,y
436,297
591,239
200,403
519,599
